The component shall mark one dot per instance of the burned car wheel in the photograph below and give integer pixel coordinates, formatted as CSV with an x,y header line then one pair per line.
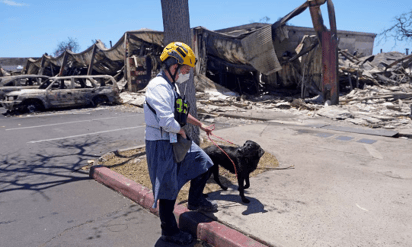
x,y
99,100
33,106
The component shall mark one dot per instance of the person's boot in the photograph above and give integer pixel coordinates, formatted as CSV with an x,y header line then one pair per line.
x,y
204,205
181,238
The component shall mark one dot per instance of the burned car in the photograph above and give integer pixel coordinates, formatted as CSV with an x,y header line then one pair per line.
x,y
62,92
19,82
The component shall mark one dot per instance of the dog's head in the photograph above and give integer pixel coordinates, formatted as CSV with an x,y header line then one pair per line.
x,y
251,149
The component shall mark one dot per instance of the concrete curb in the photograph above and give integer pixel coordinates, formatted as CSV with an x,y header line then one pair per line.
x,y
204,227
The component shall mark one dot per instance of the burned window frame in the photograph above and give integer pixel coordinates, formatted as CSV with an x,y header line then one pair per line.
x,y
57,79
76,81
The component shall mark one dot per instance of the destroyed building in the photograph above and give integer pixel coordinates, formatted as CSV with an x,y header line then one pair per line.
x,y
273,67
224,59
317,64
221,54
134,58
11,65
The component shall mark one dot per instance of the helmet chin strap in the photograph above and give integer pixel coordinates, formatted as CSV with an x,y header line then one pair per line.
x,y
174,75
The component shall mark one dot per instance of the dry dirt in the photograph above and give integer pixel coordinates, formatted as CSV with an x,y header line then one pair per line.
x,y
132,164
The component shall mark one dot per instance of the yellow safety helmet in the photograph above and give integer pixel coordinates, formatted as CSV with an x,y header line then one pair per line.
x,y
181,52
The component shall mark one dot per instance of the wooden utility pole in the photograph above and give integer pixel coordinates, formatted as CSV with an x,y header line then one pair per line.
x,y
176,27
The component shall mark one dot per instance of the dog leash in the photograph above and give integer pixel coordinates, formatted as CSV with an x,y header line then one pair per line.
x,y
223,139
234,166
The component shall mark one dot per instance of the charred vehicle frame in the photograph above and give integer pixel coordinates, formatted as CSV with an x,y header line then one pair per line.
x,y
63,92
19,82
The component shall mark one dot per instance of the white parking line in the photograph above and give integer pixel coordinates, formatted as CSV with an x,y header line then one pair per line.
x,y
54,114
95,133
82,121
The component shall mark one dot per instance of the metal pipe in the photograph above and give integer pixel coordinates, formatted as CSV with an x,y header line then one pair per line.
x,y
317,21
332,17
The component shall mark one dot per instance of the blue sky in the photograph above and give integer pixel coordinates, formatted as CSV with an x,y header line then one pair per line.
x,y
29,28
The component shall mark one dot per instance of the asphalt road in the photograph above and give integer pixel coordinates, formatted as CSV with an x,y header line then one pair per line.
x,y
46,199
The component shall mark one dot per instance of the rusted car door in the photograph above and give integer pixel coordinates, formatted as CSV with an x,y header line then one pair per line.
x,y
60,93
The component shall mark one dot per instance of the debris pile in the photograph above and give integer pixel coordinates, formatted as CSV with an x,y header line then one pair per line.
x,y
131,98
383,69
379,107
372,107
382,99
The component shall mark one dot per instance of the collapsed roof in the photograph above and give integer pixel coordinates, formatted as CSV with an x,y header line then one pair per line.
x,y
247,48
106,61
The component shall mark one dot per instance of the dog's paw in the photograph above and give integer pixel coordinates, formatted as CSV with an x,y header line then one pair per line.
x,y
245,200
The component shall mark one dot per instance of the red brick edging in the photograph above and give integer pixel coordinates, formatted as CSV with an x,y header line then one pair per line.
x,y
205,228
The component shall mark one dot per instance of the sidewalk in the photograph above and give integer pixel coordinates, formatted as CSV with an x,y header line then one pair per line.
x,y
347,189
342,192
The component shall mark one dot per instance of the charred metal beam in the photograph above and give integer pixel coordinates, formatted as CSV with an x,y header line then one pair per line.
x,y
126,54
51,69
329,43
63,65
317,18
90,69
330,88
42,65
332,18
333,71
292,14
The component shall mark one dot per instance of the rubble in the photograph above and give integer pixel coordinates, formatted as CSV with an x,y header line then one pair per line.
x,y
131,98
378,95
375,107
383,69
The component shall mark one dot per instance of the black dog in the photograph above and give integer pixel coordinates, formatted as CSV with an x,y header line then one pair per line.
x,y
246,159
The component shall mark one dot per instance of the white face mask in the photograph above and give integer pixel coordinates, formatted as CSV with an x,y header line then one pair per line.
x,y
183,77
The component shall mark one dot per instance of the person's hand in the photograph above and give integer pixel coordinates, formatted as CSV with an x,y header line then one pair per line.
x,y
183,133
207,129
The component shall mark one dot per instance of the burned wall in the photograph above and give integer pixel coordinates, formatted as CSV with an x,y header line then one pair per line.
x,y
359,42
